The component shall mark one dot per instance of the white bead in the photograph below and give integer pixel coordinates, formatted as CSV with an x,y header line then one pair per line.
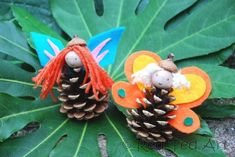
x,y
162,79
73,60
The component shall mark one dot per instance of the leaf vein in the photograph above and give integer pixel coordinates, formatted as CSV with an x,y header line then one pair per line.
x,y
120,13
45,139
119,134
15,44
27,112
140,37
195,33
83,19
81,139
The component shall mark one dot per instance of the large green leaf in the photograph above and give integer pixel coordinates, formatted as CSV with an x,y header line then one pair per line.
x,y
80,138
58,136
194,36
13,43
199,33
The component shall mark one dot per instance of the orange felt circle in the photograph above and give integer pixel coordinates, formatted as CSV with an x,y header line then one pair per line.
x,y
131,93
181,115
130,60
206,78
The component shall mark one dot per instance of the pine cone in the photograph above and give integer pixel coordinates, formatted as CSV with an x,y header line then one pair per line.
x,y
75,102
150,124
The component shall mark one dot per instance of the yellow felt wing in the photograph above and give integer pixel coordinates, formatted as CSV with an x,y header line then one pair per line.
x,y
138,61
200,88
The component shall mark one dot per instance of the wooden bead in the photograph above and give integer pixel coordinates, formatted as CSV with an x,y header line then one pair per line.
x,y
73,60
162,79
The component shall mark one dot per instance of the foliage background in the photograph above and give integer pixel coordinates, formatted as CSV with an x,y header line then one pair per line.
x,y
198,32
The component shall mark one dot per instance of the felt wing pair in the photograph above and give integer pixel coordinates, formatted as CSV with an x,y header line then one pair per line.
x,y
158,96
102,46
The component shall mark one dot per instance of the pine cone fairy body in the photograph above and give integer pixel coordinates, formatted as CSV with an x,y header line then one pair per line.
x,y
82,83
76,103
150,123
159,97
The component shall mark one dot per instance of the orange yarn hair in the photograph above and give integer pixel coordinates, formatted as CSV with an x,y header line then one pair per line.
x,y
51,73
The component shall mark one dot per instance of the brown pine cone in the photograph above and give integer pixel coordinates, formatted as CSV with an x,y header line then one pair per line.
x,y
75,102
150,124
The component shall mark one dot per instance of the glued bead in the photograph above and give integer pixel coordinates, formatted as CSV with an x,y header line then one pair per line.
x,y
122,93
73,60
188,121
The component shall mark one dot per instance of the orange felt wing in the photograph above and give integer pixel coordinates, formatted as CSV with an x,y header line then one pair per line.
x,y
186,120
199,91
131,60
125,94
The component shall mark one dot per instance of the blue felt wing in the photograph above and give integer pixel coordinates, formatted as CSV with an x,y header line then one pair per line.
x,y
111,39
113,36
41,44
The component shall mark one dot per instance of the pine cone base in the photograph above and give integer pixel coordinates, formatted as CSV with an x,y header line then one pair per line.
x,y
76,103
150,123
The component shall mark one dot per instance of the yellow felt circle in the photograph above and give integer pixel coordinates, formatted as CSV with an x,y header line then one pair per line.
x,y
141,62
196,90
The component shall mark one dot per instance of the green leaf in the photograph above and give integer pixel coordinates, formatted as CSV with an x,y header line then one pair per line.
x,y
222,79
195,146
80,138
196,34
16,81
40,9
29,23
216,58
217,108
13,43
79,17
204,130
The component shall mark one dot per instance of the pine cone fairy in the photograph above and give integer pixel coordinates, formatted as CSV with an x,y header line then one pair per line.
x,y
82,83
159,97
